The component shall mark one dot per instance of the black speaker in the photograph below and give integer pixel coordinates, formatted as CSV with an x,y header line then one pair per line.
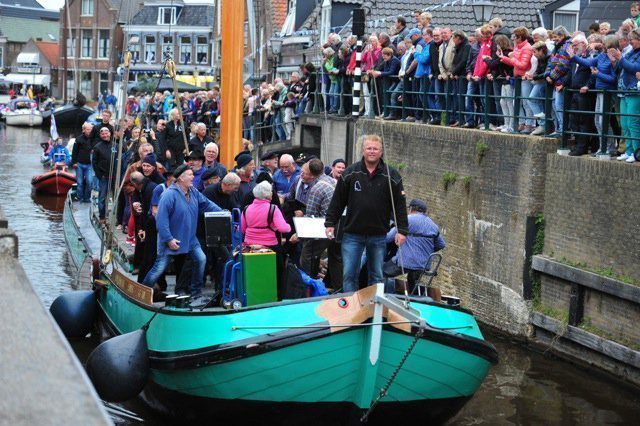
x,y
357,27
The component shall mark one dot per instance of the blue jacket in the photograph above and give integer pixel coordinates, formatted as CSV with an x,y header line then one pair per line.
x,y
630,65
391,69
423,58
197,179
281,182
178,218
606,77
422,240
58,151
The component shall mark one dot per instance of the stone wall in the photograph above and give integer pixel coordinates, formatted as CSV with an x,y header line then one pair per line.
x,y
484,190
591,213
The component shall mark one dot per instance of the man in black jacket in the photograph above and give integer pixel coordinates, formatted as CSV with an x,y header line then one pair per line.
x,y
104,122
81,155
159,141
435,89
458,73
104,163
364,190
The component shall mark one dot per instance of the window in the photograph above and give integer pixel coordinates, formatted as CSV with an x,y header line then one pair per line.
x,y
104,82
149,49
134,48
85,83
167,45
87,44
185,50
71,45
166,16
569,20
71,85
103,44
202,50
87,7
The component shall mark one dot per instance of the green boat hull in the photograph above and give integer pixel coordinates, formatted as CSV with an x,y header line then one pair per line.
x,y
213,360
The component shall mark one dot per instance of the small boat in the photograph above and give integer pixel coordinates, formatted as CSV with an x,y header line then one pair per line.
x,y
325,356
22,112
68,116
57,181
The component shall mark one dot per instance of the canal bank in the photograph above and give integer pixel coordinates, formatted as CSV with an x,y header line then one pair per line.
x,y
525,385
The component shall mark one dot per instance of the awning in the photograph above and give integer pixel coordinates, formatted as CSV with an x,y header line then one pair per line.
x,y
28,58
39,79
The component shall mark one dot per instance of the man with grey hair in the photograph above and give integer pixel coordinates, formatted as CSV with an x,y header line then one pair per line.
x,y
81,158
286,174
201,138
222,193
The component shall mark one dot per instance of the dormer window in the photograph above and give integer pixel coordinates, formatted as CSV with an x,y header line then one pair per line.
x,y
166,16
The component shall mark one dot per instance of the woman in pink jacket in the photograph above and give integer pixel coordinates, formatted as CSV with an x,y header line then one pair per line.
x,y
259,228
520,60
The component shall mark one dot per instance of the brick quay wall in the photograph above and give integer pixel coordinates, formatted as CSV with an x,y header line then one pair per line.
x,y
485,191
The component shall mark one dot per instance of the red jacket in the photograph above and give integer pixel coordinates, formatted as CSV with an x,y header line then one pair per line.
x,y
481,68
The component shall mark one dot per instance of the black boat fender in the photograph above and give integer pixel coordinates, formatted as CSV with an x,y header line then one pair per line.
x,y
119,367
75,312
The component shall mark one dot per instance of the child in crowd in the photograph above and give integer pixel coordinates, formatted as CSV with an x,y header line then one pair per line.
x,y
289,112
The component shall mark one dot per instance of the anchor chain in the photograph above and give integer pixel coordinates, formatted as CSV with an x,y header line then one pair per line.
x,y
385,388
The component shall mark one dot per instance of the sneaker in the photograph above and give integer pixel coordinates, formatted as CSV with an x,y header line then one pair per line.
x,y
631,159
506,130
199,301
622,157
434,122
527,130
538,131
494,128
554,135
410,119
539,116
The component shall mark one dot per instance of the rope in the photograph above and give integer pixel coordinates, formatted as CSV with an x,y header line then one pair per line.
x,y
385,388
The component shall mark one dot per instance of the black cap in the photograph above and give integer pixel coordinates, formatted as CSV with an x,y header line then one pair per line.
x,y
418,205
213,172
241,153
268,156
243,159
196,154
180,170
338,160
264,176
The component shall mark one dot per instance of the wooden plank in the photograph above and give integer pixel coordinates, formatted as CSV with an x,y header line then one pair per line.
x,y
599,344
592,280
135,290
576,304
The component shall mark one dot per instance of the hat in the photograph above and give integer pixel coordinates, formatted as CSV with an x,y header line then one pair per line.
x,y
338,160
212,172
414,31
180,170
196,154
268,156
243,159
418,205
264,176
241,153
131,97
150,159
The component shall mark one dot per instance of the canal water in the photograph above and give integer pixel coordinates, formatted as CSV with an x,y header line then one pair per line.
x,y
526,388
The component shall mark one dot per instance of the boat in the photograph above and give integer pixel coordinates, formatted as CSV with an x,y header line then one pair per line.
x,y
324,356
68,116
57,181
22,112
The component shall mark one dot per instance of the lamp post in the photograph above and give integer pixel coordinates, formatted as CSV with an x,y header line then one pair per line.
x,y
276,48
482,10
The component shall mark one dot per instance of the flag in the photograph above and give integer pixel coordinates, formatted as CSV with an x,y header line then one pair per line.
x,y
54,128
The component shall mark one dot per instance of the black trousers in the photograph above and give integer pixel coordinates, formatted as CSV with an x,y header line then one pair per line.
x,y
584,123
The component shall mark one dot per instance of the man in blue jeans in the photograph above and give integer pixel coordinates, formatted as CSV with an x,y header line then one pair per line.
x,y
103,161
81,158
176,221
363,189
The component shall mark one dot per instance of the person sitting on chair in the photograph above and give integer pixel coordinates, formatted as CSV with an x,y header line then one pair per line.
x,y
423,239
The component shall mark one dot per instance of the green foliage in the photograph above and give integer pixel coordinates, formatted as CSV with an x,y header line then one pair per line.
x,y
559,314
398,166
467,183
481,149
605,272
538,242
586,325
448,178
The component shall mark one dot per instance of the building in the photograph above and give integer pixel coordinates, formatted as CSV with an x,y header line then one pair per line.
x,y
21,21
91,46
36,65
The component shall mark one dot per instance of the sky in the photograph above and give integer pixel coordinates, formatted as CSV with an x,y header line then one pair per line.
x,y
57,4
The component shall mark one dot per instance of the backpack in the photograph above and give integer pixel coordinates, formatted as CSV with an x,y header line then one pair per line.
x,y
294,286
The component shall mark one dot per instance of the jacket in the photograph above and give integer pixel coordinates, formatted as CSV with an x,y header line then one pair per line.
x,y
81,152
255,228
57,151
368,200
102,164
178,218
581,76
445,56
481,68
330,69
434,52
423,59
558,65
460,58
606,77
282,183
520,60
630,65
474,50
391,69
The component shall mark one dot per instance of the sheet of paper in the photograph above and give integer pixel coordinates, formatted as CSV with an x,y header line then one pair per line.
x,y
309,227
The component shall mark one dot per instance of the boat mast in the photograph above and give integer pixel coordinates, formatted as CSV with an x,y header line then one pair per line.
x,y
232,12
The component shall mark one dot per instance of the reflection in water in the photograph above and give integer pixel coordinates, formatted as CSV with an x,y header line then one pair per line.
x,y
526,388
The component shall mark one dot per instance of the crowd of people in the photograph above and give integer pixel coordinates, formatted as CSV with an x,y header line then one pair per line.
x,y
443,76
165,188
